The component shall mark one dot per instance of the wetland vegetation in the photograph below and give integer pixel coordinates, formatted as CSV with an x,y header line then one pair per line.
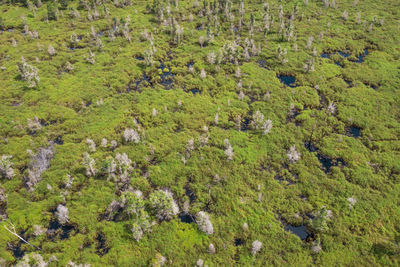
x,y
199,133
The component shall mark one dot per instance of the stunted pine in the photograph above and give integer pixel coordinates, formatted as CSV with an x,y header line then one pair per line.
x,y
211,249
40,162
6,167
34,125
90,164
28,73
131,135
62,214
293,155
91,57
91,144
228,150
68,67
203,74
256,247
260,123
345,15
51,50
204,223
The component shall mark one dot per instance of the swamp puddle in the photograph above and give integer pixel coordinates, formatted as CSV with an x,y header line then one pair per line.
x,y
284,181
59,140
166,76
339,64
239,242
195,91
300,231
354,131
57,230
186,218
17,251
360,58
287,80
244,126
101,248
190,194
137,84
262,63
343,54
326,162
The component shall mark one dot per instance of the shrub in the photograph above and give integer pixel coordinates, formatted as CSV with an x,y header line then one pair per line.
x,y
134,207
319,223
52,10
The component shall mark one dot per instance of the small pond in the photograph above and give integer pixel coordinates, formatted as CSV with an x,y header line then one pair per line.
x,y
355,131
287,80
300,231
186,218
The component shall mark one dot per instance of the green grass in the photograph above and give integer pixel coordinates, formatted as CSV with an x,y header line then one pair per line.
x,y
259,186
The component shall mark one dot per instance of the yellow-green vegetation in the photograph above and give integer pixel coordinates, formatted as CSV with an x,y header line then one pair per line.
x,y
194,133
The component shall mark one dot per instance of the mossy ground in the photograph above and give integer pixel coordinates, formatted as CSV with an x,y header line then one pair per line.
x,y
365,235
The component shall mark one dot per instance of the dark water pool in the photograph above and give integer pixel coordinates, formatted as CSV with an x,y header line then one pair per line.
x,y
355,131
339,64
328,163
17,251
287,80
56,229
59,140
262,63
101,248
300,231
188,192
244,126
360,58
186,218
239,242
343,54
166,76
195,91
